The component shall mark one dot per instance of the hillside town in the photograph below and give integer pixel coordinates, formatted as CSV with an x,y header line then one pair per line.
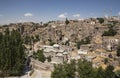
x,y
94,39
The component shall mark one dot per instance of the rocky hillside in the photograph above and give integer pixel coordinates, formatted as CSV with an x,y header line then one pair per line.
x,y
60,32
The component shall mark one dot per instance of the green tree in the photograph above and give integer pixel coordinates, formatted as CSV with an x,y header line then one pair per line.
x,y
110,32
117,74
39,55
100,73
101,20
67,21
37,38
70,69
67,43
64,70
118,51
49,58
106,61
58,71
85,69
78,44
109,72
12,56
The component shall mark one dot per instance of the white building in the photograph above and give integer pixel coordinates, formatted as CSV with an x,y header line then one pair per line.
x,y
80,51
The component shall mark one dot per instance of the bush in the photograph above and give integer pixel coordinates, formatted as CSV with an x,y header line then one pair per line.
x,y
101,20
118,51
110,32
105,60
39,55
66,21
49,58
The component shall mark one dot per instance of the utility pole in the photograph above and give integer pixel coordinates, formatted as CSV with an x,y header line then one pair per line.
x,y
105,14
110,13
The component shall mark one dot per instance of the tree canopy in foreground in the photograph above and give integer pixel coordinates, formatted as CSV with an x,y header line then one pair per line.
x,y
12,56
81,69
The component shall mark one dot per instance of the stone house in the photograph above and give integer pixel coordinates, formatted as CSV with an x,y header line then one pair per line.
x,y
58,54
110,43
87,47
49,52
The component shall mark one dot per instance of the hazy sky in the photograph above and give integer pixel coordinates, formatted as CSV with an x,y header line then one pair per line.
x,y
45,10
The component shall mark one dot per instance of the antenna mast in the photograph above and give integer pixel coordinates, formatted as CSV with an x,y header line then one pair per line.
x,y
110,13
